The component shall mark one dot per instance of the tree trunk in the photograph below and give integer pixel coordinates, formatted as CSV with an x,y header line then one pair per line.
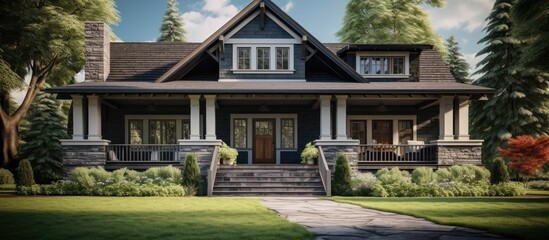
x,y
10,141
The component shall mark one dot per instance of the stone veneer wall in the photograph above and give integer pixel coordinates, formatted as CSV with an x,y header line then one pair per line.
x,y
454,155
330,153
97,51
83,156
204,155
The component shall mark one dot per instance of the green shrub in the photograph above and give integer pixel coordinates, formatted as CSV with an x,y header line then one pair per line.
x,y
309,152
499,173
342,175
25,177
377,189
443,175
168,174
392,176
6,177
191,174
540,185
507,189
82,177
9,187
118,189
99,174
469,173
423,175
229,153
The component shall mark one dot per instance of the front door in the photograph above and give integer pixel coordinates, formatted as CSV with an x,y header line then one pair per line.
x,y
264,141
382,131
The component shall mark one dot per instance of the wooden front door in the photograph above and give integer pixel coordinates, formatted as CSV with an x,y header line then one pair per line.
x,y
382,131
264,141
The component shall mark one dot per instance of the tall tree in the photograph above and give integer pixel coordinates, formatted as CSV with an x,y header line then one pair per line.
x,y
457,64
172,24
532,25
45,40
41,145
519,106
390,21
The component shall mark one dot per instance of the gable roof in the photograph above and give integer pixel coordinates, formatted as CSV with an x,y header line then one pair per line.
x,y
144,61
432,67
195,56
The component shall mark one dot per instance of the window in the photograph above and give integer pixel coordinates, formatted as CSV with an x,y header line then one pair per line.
x,y
260,58
382,64
282,59
186,129
263,58
136,131
244,57
240,133
287,133
405,131
162,132
358,131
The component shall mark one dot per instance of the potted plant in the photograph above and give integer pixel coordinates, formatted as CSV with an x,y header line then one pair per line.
x,y
227,154
309,154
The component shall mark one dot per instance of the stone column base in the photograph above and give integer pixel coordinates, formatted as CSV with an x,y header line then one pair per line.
x,y
348,147
83,153
202,148
457,152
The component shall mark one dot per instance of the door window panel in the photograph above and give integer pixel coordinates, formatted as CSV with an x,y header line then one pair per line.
x,y
136,131
287,133
162,132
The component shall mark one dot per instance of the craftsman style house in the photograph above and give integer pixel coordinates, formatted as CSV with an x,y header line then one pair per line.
x,y
265,86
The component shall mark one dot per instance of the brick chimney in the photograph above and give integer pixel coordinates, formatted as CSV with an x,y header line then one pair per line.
x,y
97,51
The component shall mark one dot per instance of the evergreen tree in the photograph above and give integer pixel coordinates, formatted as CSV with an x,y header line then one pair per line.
x,y
457,64
390,21
532,24
519,106
41,145
172,25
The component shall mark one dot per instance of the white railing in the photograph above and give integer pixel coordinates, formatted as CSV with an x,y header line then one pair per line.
x,y
403,153
143,152
325,173
212,172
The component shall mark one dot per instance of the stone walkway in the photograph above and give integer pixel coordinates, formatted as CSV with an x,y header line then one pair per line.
x,y
332,220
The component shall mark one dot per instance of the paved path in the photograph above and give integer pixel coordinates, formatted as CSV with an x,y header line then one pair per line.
x,y
332,220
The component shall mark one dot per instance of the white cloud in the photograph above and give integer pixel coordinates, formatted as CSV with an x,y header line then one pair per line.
x,y
201,24
465,40
288,6
467,14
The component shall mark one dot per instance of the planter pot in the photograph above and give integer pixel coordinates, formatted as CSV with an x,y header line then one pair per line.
x,y
310,162
227,162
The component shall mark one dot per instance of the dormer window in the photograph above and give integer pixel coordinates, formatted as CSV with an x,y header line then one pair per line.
x,y
383,64
260,58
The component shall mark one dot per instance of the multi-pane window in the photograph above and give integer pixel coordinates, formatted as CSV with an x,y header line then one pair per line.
x,y
381,65
162,132
358,131
186,129
282,58
287,133
405,131
240,133
136,131
263,58
244,55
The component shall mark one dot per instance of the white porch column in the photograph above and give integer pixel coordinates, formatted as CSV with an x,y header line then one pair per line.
x,y
341,130
77,118
325,119
210,117
94,118
195,117
446,117
462,119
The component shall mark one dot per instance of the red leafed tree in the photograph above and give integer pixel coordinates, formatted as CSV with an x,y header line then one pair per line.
x,y
527,154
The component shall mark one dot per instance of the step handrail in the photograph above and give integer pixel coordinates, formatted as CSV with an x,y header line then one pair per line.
x,y
325,173
212,172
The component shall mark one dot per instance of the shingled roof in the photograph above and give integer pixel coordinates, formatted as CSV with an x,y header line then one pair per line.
x,y
432,67
145,62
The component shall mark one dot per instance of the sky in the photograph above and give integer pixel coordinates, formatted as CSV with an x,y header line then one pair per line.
x,y
141,19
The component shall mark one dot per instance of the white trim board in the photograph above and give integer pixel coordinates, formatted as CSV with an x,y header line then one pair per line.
x,y
229,35
272,59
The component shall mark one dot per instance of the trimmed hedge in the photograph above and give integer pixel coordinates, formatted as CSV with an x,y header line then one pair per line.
x,y
157,181
342,176
191,175
500,173
6,177
25,177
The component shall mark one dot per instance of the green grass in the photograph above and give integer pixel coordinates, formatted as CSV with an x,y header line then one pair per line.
x,y
536,192
142,218
526,218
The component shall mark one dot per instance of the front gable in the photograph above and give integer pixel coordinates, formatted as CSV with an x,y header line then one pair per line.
x,y
262,43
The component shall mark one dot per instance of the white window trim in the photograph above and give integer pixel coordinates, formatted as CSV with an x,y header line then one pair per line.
x,y
406,56
278,134
394,118
146,118
272,61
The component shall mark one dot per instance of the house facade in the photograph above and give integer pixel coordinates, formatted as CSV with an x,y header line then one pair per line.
x,y
265,86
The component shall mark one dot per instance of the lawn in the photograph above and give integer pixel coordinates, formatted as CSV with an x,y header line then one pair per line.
x,y
142,218
519,217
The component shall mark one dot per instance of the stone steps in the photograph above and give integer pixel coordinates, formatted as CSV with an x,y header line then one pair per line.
x,y
268,180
